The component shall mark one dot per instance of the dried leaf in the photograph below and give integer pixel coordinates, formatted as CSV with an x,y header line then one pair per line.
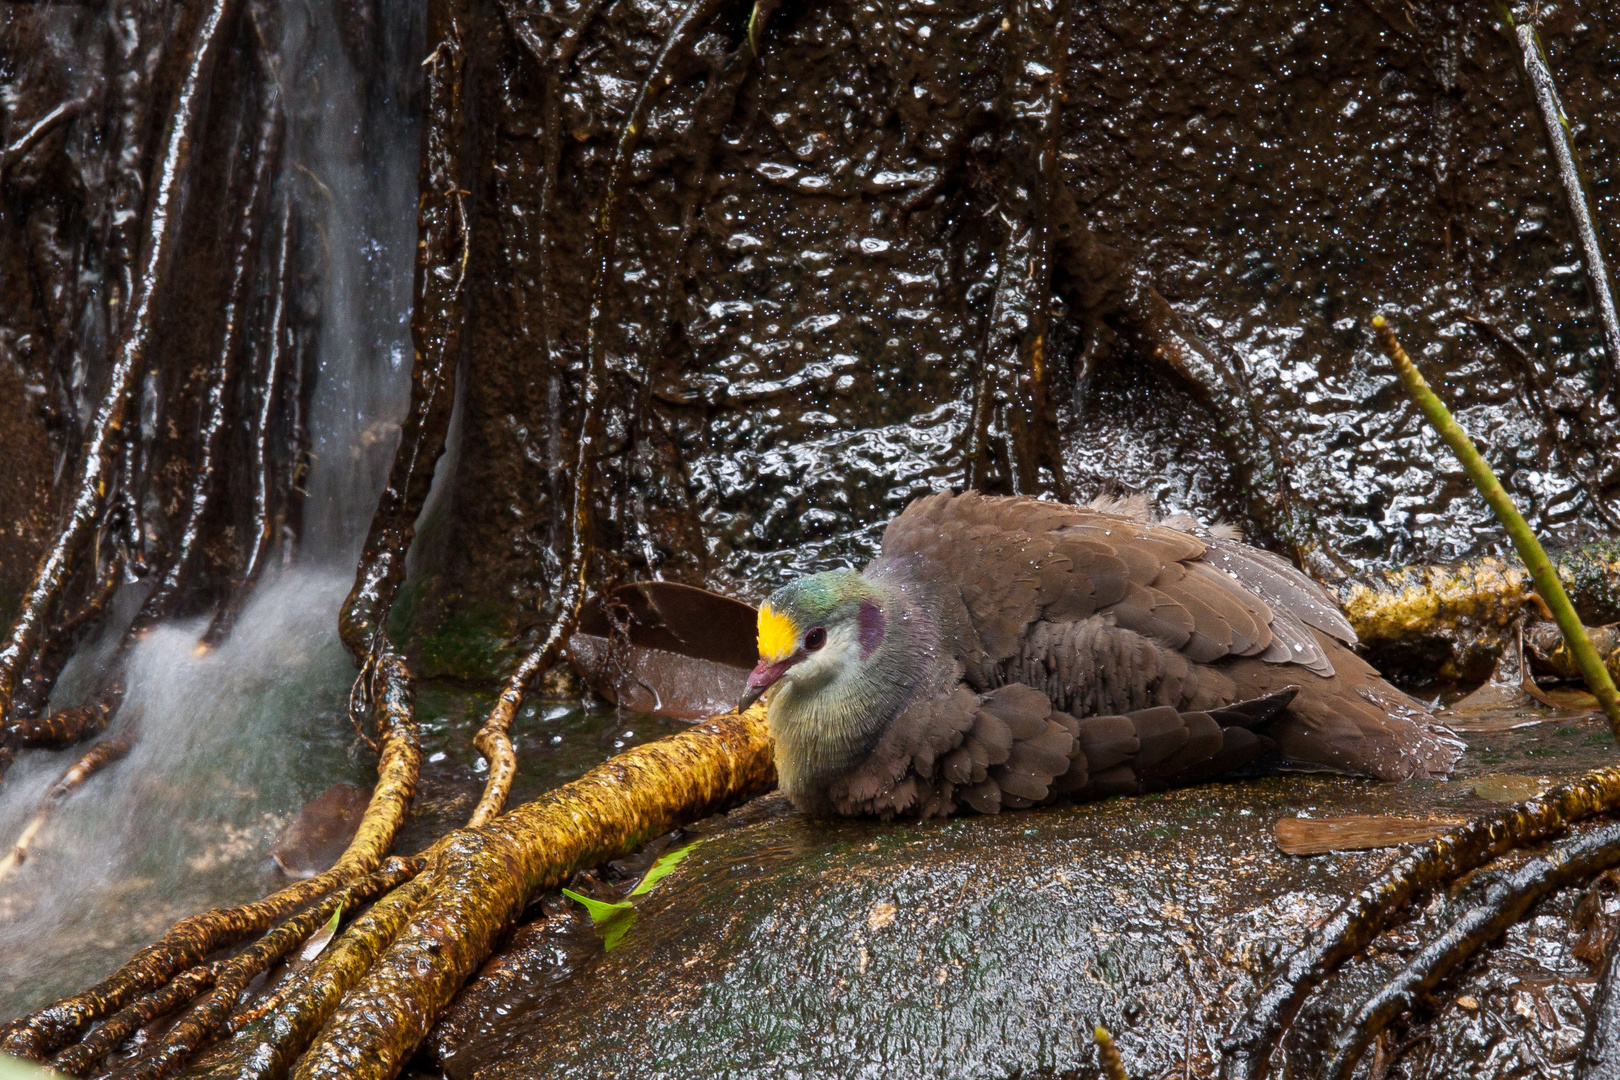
x,y
1357,832
321,831
668,649
322,937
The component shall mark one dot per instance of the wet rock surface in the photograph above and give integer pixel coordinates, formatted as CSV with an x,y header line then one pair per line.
x,y
989,946
808,272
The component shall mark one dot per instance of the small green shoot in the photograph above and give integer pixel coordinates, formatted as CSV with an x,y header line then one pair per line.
x,y
660,869
615,918
600,910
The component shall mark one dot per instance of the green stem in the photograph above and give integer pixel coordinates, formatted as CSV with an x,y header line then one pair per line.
x,y
1112,1067
1535,559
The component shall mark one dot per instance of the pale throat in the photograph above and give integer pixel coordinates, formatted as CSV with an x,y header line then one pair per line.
x,y
829,716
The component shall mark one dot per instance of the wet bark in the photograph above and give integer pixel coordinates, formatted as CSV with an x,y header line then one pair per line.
x,y
1452,621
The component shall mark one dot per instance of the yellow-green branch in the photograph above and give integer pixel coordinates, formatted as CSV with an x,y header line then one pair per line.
x,y
1529,548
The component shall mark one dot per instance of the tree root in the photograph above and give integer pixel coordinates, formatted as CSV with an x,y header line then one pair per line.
x,y
1249,1047
93,761
492,739
1012,438
265,1047
1505,904
1599,1058
99,463
1414,603
277,359
1221,382
189,941
32,698
485,877
81,1059
214,1009
74,724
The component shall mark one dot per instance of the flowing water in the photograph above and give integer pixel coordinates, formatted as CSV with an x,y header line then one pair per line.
x,y
233,741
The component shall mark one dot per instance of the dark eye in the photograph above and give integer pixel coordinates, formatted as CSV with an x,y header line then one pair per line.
x,y
815,639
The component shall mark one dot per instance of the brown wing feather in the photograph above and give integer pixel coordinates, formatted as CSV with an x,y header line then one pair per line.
x,y
1105,614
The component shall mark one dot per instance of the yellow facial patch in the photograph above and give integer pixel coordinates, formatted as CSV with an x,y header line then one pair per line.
x,y
778,638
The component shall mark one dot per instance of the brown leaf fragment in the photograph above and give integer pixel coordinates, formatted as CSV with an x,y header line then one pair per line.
x,y
1357,832
321,831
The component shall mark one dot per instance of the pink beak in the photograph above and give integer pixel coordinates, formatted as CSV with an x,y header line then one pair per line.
x,y
763,677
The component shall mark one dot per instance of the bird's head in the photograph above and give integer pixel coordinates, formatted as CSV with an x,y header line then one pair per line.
x,y
816,630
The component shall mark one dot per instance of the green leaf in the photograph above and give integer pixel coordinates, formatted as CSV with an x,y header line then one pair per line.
x,y
601,912
660,869
616,931
321,938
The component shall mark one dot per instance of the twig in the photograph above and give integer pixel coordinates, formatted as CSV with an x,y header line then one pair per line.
x,y
1505,904
1362,918
1580,201
1529,548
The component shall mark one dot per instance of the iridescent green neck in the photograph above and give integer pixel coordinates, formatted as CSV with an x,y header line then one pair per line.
x,y
823,730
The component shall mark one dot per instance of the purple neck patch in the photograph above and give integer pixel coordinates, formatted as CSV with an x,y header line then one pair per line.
x,y
872,624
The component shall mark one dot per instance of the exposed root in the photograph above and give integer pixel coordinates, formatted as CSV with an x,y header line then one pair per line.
x,y
1012,441
1505,904
189,941
93,761
212,1011
277,359
75,724
98,466
1474,844
486,876
81,1059
492,739
33,694
495,743
1415,603
1363,917
265,1046
1600,1051
1221,382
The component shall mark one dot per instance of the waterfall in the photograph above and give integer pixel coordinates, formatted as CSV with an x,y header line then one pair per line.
x,y
234,740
